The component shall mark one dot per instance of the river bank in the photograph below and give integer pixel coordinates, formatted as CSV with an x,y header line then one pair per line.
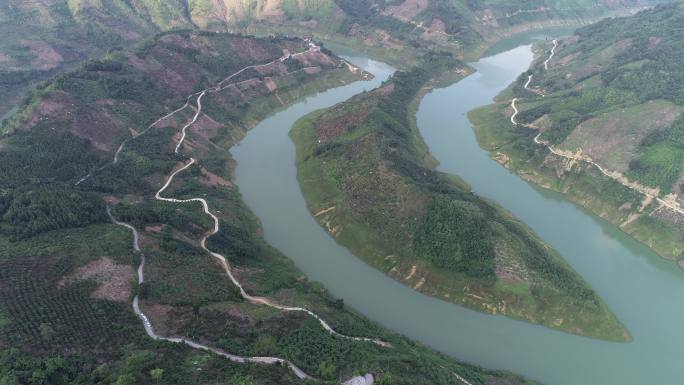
x,y
369,180
641,211
607,259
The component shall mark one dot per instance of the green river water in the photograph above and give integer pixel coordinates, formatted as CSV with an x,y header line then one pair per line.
x,y
645,292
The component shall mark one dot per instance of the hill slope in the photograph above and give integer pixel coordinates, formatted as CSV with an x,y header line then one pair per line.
x,y
44,37
68,274
368,179
608,129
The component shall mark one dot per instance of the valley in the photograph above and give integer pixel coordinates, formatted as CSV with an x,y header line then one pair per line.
x,y
292,192
185,297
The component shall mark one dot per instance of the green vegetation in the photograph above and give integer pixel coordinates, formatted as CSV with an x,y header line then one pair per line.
x,y
65,315
46,38
368,179
614,91
55,327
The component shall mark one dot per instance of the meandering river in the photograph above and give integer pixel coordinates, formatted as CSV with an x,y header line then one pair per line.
x,y
644,291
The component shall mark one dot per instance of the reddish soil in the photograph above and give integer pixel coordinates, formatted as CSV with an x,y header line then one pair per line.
x,y
212,180
334,126
250,50
45,57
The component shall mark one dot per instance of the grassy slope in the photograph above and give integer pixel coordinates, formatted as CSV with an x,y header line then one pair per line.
x,y
621,105
368,180
63,333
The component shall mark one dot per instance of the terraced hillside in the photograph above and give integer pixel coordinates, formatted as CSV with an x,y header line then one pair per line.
x,y
602,122
109,134
369,181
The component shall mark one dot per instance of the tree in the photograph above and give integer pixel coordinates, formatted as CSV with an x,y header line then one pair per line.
x,y
385,380
125,379
157,374
326,369
240,380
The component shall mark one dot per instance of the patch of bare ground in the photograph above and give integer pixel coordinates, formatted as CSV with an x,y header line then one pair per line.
x,y
565,60
246,276
204,129
488,18
44,56
250,50
653,41
437,25
272,69
212,180
612,139
155,228
311,24
167,319
678,189
330,128
200,43
88,121
407,10
669,216
314,58
270,84
507,268
312,70
113,280
166,76
596,62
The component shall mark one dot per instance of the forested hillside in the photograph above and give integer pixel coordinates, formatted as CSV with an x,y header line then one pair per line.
x,y
368,179
610,106
43,37
68,275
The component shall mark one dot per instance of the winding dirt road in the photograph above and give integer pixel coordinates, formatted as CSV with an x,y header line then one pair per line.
x,y
553,52
673,205
149,329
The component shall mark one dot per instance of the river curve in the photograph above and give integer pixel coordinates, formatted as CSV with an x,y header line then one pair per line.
x,y
644,291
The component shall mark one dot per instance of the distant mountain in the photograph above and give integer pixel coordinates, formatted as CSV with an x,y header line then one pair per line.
x,y
42,37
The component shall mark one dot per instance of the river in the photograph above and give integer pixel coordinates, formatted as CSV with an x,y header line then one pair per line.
x,y
645,292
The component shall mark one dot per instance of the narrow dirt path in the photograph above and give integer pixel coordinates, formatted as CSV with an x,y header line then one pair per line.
x,y
553,52
674,206
149,328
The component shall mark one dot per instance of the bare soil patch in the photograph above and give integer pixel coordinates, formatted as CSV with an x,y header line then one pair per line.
x,y
45,57
114,280
407,10
612,139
